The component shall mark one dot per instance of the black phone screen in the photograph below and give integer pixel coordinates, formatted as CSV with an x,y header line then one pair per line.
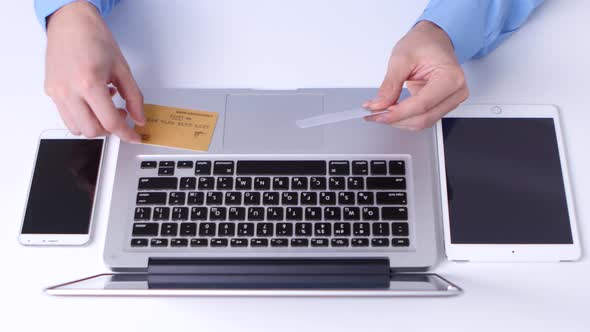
x,y
62,190
504,181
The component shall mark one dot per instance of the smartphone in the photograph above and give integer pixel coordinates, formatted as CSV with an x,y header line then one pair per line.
x,y
60,202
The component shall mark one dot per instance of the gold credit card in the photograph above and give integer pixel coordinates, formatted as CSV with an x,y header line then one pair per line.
x,y
177,127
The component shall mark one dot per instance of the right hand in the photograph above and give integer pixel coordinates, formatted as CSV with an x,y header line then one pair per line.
x,y
82,61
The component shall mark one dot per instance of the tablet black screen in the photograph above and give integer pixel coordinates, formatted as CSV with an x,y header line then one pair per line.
x,y
504,181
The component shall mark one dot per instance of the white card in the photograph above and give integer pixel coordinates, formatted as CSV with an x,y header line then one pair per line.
x,y
323,119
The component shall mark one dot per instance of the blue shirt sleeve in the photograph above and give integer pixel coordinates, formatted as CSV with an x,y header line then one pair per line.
x,y
476,27
44,8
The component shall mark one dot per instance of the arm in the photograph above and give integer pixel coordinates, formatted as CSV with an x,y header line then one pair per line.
x,y
428,57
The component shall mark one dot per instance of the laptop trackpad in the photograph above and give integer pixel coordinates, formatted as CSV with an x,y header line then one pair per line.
x,y
265,123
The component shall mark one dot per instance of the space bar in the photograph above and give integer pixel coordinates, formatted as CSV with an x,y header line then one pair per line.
x,y
281,167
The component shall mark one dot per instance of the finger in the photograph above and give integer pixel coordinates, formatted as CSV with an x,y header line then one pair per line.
x,y
66,117
437,89
110,118
391,88
85,119
428,119
130,92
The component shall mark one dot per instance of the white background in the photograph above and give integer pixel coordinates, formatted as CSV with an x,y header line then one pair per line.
x,y
290,44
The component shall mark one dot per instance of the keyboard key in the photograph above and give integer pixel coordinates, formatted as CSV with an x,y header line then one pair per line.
x,y
176,198
274,213
289,198
298,242
150,198
199,242
214,198
179,213
356,183
238,242
397,167
332,213
203,168
400,242
356,242
298,183
270,198
252,198
339,167
206,182
380,229
159,242
361,229
243,183
170,183
264,229
370,213
223,168
394,213
259,242
365,198
148,164
207,229
391,198
340,242
280,183
261,183
399,229
379,242
309,198
346,198
169,229
341,229
317,183
313,213
166,163
284,229
360,167
327,198
225,183
255,213
323,229
198,213
164,171
233,198
294,213
336,183
185,164
219,242
218,213
179,242
139,242
196,198
385,183
351,213
378,167
161,213
237,213
303,229
187,183
145,229
245,229
319,242
226,229
279,243
188,229
281,167
142,213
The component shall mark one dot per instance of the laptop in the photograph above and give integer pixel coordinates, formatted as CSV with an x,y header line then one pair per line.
x,y
270,206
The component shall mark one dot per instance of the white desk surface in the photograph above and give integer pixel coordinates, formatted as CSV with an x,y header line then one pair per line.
x,y
290,44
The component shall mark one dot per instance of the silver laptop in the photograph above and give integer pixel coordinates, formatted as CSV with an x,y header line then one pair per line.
x,y
268,192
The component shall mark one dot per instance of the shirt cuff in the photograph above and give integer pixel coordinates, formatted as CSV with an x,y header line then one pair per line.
x,y
44,8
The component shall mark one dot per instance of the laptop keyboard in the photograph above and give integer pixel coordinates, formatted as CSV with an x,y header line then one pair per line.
x,y
272,204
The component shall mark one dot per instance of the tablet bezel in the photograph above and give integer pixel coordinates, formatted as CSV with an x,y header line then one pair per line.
x,y
509,252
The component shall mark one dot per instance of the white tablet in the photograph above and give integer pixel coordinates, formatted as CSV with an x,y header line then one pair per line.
x,y
505,185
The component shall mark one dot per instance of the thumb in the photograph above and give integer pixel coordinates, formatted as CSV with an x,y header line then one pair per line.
x,y
390,89
130,92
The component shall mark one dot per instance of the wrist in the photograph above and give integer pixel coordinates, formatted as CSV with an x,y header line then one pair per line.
x,y
434,30
79,8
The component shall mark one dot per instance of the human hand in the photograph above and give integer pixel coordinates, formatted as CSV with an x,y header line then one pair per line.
x,y
82,61
425,58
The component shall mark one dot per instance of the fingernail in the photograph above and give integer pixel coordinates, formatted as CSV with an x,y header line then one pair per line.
x,y
380,119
